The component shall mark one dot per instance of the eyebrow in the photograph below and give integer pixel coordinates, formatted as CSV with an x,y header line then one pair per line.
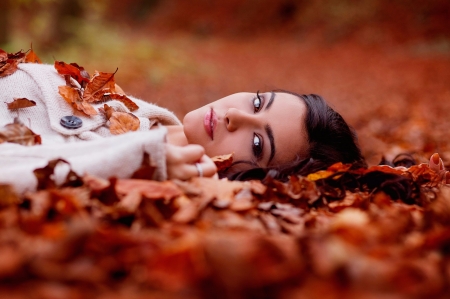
x,y
272,97
272,142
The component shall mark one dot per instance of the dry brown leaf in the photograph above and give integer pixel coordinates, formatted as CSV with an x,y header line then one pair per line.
x,y
99,84
17,132
3,56
122,122
73,70
8,67
21,103
31,57
121,98
223,161
148,189
72,96
107,111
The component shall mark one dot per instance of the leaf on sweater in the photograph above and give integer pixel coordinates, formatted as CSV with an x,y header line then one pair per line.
x,y
17,132
99,84
72,96
121,98
9,62
107,111
18,56
21,103
73,70
122,122
3,56
31,57
223,161
8,67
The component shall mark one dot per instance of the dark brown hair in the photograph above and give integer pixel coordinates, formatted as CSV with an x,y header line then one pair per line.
x,y
330,139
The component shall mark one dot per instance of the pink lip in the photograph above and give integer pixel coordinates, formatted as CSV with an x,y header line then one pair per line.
x,y
210,123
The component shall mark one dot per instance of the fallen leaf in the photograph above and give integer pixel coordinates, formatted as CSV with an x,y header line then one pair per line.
x,y
148,189
122,122
8,67
74,71
99,84
223,161
72,96
21,103
17,132
121,98
31,56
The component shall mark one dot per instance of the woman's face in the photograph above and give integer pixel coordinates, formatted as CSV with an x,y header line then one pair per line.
x,y
267,129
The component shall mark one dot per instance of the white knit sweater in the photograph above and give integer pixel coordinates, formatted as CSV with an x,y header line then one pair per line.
x,y
116,156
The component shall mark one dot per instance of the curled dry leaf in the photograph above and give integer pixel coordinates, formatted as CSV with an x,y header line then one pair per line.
x,y
107,111
72,96
223,161
8,67
122,122
99,84
73,70
31,57
21,103
18,133
121,98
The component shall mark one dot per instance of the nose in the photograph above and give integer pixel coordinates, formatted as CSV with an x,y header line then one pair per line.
x,y
236,118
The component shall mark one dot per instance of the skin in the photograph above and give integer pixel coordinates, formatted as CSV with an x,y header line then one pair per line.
x,y
243,122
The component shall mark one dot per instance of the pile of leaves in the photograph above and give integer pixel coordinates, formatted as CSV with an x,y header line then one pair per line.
x,y
339,233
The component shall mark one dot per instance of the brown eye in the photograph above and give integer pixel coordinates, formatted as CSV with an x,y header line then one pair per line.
x,y
257,146
258,102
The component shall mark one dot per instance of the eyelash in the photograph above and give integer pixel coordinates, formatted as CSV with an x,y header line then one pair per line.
x,y
257,98
257,146
257,141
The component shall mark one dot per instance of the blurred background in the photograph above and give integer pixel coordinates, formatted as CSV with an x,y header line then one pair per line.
x,y
383,64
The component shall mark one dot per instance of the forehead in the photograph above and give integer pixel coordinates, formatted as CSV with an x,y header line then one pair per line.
x,y
286,116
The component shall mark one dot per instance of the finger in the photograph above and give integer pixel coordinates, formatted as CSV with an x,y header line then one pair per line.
x,y
447,177
435,161
208,166
184,154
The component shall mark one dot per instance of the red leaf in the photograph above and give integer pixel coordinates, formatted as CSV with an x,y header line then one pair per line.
x,y
73,70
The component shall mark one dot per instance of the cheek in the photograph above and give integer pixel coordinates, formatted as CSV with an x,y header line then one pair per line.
x,y
237,144
192,126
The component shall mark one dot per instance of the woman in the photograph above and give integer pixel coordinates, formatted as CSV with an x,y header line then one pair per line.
x,y
277,131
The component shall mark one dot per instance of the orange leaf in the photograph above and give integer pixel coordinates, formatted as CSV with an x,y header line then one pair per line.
x,y
148,189
73,70
31,57
17,132
72,96
99,84
21,103
122,98
122,122
107,110
223,161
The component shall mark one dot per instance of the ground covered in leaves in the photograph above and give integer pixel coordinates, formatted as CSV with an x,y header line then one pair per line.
x,y
340,233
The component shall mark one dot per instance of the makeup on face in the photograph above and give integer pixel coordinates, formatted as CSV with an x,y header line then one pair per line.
x,y
260,125
210,123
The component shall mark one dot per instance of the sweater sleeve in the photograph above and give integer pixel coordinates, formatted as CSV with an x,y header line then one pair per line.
x,y
118,156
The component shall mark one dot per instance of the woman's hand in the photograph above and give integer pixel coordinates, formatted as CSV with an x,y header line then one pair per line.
x,y
437,165
181,161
